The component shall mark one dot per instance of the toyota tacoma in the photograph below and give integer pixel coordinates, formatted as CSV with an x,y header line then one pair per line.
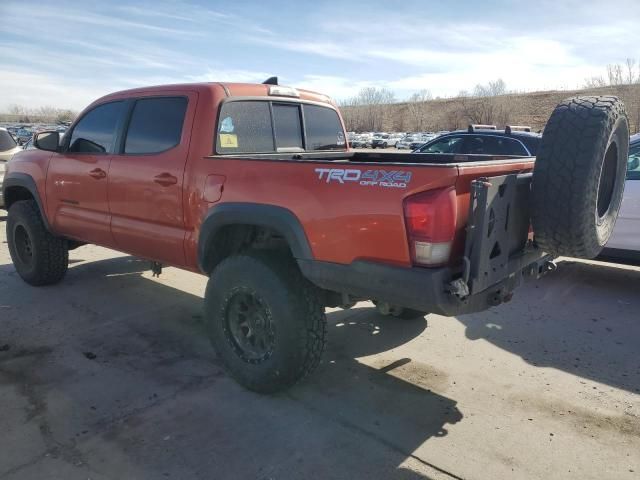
x,y
254,186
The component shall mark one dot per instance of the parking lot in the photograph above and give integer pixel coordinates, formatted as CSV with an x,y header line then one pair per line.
x,y
109,375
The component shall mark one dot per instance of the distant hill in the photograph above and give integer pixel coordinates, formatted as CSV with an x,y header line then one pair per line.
x,y
531,109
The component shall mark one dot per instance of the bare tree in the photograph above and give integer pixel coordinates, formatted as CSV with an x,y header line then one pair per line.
x,y
366,111
595,82
483,107
631,74
416,109
614,73
19,113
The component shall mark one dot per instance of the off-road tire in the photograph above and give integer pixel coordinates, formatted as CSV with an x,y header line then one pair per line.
x,y
290,304
46,259
579,174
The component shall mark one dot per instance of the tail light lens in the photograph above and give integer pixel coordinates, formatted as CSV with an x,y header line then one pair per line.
x,y
430,218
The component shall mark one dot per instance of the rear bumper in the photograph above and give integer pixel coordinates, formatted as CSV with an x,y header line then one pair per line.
x,y
424,289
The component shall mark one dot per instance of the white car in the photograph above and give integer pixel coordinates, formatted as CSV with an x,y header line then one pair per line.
x,y
8,147
625,240
405,142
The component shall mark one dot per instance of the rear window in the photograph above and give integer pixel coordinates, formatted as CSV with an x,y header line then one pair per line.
x,y
287,126
266,127
6,141
324,130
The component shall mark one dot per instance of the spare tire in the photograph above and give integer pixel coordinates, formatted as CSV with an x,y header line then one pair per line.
x,y
579,175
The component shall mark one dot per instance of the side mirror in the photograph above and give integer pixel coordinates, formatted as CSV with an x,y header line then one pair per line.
x,y
48,141
634,163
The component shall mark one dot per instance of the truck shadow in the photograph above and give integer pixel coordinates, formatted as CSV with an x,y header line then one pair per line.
x,y
583,319
129,356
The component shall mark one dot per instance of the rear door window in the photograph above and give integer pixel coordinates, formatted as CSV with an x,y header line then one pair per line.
x,y
493,145
155,125
95,132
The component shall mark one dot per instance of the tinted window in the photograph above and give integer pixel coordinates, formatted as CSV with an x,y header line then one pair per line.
x,y
324,130
245,127
444,145
512,147
156,125
633,167
288,130
490,145
6,141
532,144
95,132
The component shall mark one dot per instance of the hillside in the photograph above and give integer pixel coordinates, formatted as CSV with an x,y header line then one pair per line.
x,y
531,109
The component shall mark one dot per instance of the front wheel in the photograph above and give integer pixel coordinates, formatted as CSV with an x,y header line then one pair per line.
x,y
264,321
39,257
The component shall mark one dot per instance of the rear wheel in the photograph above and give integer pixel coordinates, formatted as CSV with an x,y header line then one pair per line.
x,y
39,257
264,321
578,179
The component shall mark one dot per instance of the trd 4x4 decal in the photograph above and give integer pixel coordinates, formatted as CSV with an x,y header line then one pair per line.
x,y
367,178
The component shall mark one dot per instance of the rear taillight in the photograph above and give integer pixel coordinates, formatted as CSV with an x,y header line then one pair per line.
x,y
431,226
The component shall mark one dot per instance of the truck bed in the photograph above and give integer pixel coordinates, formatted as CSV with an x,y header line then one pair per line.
x,y
345,219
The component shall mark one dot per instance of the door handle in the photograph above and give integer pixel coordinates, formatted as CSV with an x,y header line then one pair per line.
x,y
97,173
165,179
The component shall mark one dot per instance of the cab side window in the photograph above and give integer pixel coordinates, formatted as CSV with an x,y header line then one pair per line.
x,y
155,125
95,132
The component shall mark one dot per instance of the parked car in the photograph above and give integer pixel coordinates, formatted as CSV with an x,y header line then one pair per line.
x,y
421,139
359,141
285,220
405,142
625,240
512,141
8,148
8,145
385,141
23,135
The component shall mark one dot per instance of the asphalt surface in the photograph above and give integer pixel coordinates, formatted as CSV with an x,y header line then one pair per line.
x,y
108,375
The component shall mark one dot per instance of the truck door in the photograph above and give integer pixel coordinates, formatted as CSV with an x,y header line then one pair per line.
x,y
146,178
77,178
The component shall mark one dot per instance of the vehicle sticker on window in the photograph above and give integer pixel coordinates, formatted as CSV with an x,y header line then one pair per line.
x,y
228,140
366,178
226,125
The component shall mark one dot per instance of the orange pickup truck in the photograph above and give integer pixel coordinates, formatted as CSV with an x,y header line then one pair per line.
x,y
255,187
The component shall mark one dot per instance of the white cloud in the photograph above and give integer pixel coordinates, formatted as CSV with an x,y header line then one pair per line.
x,y
32,89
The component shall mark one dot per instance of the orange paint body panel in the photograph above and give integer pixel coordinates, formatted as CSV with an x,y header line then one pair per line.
x,y
153,205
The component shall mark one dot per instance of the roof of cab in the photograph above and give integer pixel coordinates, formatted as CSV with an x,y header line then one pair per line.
x,y
230,90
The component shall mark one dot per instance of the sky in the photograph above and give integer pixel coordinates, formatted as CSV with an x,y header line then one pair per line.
x,y
67,53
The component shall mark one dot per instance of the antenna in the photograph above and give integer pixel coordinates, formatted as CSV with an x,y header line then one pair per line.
x,y
271,81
